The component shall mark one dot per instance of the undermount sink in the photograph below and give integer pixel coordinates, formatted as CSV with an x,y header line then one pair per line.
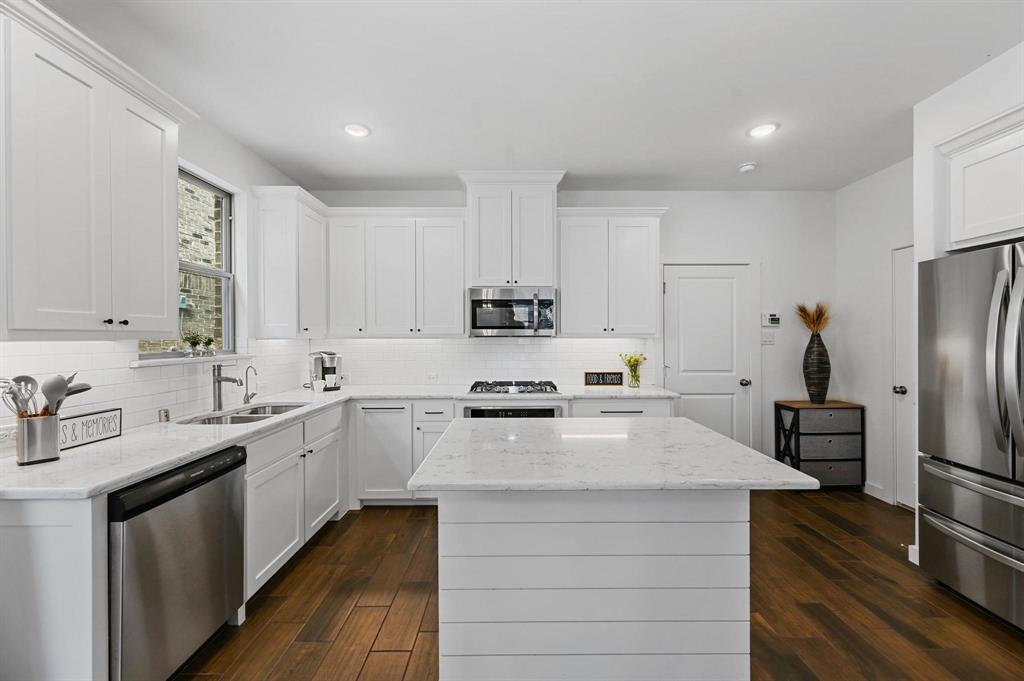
x,y
248,414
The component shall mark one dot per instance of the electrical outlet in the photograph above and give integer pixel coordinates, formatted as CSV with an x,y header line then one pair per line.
x,y
7,435
431,377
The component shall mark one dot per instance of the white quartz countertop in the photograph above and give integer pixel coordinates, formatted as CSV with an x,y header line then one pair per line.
x,y
642,453
96,469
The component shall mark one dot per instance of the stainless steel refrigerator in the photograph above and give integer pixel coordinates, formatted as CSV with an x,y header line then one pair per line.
x,y
971,426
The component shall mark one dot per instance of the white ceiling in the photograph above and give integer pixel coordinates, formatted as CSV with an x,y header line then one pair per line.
x,y
623,95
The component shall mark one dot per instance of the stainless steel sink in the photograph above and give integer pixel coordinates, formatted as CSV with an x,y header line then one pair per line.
x,y
242,415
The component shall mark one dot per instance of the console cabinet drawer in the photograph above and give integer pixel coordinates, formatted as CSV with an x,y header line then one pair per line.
x,y
830,447
839,473
830,421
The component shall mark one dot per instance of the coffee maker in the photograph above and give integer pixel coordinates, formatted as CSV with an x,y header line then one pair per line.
x,y
324,367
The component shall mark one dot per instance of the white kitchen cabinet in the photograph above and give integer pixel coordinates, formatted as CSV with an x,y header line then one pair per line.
x,y
583,306
322,475
391,277
511,227
92,201
384,449
424,436
274,519
986,189
346,278
312,273
634,280
292,279
621,407
440,294
610,273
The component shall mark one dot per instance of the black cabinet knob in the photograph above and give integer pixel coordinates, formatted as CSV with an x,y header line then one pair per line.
x,y
360,330
613,329
123,322
507,281
604,329
410,330
108,321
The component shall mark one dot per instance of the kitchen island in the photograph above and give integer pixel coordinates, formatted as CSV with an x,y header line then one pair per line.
x,y
594,549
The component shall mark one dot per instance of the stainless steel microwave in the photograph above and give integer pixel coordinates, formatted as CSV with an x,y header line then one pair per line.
x,y
512,311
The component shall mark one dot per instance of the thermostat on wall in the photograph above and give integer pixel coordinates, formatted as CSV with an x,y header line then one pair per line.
x,y
771,320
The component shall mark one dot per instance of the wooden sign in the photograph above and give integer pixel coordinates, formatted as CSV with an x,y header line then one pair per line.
x,y
602,378
85,429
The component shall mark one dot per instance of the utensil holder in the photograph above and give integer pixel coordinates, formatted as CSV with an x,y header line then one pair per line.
x,y
37,439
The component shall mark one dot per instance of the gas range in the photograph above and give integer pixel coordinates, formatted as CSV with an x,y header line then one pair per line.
x,y
513,387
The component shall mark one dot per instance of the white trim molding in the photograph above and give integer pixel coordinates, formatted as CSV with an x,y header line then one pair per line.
x,y
290,192
390,211
40,19
622,211
470,177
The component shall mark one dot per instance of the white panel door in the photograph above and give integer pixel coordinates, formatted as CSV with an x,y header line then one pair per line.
x,y
274,519
440,294
144,209
533,236
904,370
312,274
391,277
711,325
583,305
425,435
986,188
59,192
384,450
278,271
346,275
633,276
322,482
490,236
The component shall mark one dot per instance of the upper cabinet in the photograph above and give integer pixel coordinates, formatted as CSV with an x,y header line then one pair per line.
x,y
969,159
511,227
440,294
346,277
610,272
391,277
292,273
91,192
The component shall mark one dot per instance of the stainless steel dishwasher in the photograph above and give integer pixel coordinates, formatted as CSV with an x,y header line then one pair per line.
x,y
176,558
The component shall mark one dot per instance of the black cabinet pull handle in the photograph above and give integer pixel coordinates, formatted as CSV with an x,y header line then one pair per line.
x,y
123,322
305,328
108,321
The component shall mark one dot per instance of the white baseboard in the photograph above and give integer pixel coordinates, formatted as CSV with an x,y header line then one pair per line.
x,y
878,492
912,554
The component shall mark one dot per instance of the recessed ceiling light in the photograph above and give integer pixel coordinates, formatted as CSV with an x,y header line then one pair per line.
x,y
763,130
748,167
357,130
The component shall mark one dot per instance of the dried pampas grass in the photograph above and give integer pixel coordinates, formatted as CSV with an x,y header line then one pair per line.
x,y
814,319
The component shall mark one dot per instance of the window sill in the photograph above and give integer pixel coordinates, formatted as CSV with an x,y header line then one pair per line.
x,y
175,361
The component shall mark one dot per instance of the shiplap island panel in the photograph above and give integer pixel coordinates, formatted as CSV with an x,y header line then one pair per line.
x,y
594,549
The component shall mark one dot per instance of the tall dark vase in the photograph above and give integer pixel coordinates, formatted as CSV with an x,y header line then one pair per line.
x,y
817,369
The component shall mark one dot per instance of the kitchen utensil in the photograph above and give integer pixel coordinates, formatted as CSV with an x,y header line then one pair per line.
x,y
73,389
71,379
28,386
11,400
54,389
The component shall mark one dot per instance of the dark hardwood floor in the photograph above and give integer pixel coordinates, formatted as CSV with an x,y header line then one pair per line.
x,y
832,597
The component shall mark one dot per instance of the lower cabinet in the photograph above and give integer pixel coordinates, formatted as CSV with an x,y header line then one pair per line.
x,y
274,519
384,449
424,436
322,482
622,408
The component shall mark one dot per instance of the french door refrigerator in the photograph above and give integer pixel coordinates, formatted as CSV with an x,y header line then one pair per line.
x,y
971,426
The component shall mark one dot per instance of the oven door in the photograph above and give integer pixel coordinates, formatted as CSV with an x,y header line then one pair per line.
x,y
512,312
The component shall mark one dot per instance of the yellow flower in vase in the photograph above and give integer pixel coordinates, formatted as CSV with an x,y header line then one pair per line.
x,y
633,362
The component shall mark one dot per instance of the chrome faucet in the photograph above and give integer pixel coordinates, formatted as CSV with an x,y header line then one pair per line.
x,y
247,398
218,399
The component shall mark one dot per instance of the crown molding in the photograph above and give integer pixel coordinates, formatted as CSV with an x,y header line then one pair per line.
x,y
397,212
471,177
41,20
621,211
291,193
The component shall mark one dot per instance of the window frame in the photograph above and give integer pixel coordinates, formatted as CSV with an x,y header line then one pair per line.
x,y
225,273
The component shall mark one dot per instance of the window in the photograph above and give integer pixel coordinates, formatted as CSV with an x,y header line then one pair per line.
x,y
205,299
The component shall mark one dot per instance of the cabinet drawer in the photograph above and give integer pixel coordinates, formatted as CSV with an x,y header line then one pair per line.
x,y
433,410
833,472
622,407
323,424
265,451
830,447
830,420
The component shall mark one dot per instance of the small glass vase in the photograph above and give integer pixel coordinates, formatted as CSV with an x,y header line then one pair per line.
x,y
634,378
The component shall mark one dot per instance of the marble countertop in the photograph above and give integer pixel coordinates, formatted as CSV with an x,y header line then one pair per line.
x,y
140,453
596,454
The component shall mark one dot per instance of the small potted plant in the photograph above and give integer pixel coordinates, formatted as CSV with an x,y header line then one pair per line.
x,y
633,362
208,348
194,340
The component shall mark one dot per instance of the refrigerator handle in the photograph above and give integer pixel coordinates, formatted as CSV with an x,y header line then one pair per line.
x,y
1011,381
996,397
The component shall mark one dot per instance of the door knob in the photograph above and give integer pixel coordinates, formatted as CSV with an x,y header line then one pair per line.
x,y
900,389
745,382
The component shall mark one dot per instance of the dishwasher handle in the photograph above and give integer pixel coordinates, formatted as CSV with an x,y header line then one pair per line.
x,y
143,496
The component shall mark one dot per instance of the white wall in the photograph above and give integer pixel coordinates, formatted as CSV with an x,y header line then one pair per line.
x,y
874,216
985,93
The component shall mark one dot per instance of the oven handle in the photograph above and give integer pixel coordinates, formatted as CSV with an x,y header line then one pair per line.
x,y
536,313
945,528
933,469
